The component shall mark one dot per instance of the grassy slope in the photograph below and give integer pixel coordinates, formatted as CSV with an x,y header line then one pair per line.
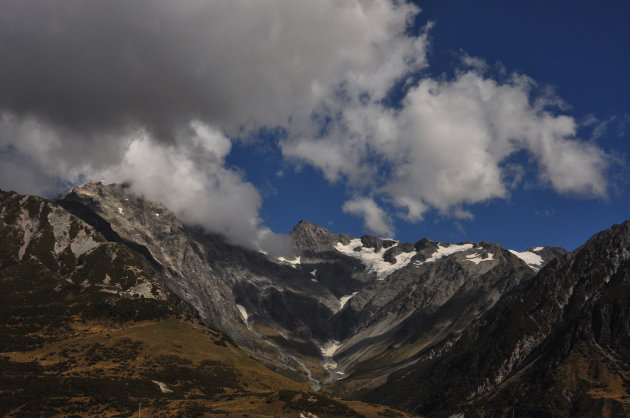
x,y
57,360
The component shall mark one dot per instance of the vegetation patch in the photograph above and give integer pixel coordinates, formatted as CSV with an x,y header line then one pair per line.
x,y
315,403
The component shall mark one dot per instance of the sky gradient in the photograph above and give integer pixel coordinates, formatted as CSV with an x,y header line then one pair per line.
x,y
453,120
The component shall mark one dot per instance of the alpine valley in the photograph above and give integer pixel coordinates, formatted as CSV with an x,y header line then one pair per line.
x,y
110,305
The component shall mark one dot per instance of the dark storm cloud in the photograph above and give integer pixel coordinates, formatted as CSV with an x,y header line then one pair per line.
x,y
149,91
104,65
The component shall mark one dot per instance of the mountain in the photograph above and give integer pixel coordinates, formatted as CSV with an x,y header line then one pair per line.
x,y
428,327
245,293
88,327
401,299
340,308
557,345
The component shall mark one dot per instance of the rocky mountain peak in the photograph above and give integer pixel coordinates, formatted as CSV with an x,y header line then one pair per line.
x,y
309,236
424,243
376,243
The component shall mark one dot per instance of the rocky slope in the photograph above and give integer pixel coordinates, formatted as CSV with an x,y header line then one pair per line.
x,y
231,288
402,300
557,345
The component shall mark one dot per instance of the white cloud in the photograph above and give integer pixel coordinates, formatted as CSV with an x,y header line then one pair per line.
x,y
447,144
190,178
38,158
376,220
474,62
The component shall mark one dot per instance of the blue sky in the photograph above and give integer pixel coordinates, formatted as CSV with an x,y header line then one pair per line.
x,y
454,120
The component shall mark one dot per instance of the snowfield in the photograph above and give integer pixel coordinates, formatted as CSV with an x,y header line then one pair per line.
x,y
445,251
476,258
373,260
533,260
243,312
344,299
293,263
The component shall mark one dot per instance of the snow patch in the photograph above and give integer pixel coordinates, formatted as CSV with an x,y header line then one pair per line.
x,y
330,348
476,258
344,299
162,386
315,280
446,251
120,210
328,351
532,260
537,249
314,273
243,312
292,262
373,260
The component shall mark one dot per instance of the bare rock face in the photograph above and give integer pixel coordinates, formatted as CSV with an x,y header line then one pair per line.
x,y
231,288
361,296
39,235
310,237
157,233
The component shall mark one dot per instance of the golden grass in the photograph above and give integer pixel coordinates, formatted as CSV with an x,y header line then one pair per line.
x,y
256,395
586,366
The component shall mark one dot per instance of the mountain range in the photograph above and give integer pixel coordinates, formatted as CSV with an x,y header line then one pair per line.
x,y
111,302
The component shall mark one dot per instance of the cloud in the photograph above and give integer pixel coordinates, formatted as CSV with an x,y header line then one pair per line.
x,y
187,175
448,145
38,158
116,89
100,66
600,127
375,218
545,213
130,89
190,178
623,124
